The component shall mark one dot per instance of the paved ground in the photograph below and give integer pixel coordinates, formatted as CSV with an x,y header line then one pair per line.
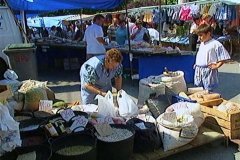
x,y
66,86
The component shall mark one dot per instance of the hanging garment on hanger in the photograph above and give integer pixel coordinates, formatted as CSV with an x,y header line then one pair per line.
x,y
156,16
170,12
232,13
185,13
212,10
205,9
176,13
234,19
195,9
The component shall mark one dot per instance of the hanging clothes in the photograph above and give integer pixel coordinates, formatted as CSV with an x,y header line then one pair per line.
x,y
176,13
205,9
185,13
212,10
195,9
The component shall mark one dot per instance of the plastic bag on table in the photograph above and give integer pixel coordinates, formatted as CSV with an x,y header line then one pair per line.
x,y
9,131
127,107
106,106
10,74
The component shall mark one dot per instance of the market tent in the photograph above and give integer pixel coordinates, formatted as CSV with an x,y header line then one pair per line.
x,y
78,17
233,2
32,6
46,21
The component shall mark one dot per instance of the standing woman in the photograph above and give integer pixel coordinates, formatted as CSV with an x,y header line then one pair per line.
x,y
96,75
121,33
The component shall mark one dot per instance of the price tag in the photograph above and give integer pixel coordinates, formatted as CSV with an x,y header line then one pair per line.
x,y
141,125
189,132
103,129
107,120
81,121
170,117
67,114
45,105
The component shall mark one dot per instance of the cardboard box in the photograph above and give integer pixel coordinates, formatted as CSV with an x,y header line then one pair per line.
x,y
5,93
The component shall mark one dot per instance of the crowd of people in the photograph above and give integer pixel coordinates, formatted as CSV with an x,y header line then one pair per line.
x,y
113,28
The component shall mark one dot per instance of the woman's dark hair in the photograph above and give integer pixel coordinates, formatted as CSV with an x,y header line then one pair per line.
x,y
97,17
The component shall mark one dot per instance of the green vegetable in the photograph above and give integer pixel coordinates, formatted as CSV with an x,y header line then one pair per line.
x,y
59,104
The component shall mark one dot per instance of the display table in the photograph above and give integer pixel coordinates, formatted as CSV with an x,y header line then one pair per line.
x,y
145,61
154,65
61,56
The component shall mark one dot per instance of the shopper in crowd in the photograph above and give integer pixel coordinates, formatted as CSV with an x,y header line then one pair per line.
x,y
193,37
121,33
60,33
96,75
131,22
70,32
211,55
141,34
44,32
79,33
111,32
94,37
53,31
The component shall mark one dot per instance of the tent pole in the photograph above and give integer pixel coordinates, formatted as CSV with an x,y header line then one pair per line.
x,y
159,21
129,42
24,24
81,20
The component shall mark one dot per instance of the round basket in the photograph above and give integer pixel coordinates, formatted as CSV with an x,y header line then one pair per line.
x,y
33,138
21,116
43,152
116,150
74,147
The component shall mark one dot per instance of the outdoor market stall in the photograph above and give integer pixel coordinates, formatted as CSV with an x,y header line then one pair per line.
x,y
116,128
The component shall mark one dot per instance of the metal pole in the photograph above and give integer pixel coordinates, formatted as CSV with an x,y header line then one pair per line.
x,y
129,42
24,25
81,20
128,33
160,17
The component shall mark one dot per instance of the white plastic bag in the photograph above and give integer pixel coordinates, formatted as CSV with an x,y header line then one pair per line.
x,y
10,75
9,131
127,107
106,106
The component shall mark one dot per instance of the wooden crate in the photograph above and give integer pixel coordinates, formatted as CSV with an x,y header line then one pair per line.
x,y
227,123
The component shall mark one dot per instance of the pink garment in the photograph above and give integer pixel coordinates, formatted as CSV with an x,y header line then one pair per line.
x,y
185,13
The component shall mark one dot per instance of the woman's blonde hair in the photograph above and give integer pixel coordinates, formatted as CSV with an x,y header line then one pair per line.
x,y
114,55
